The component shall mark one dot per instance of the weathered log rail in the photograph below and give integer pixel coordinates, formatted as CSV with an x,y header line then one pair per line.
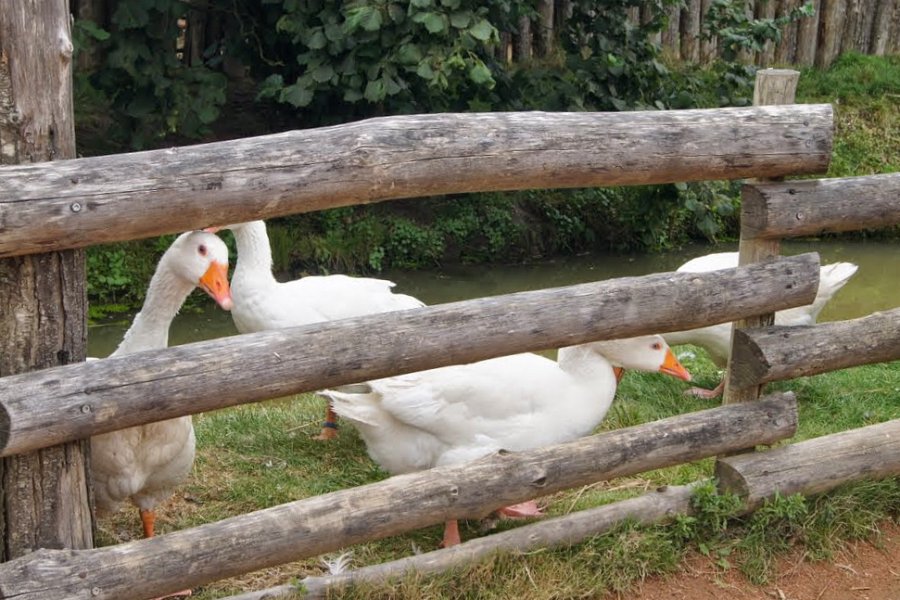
x,y
813,466
658,506
817,206
809,467
75,401
776,353
87,201
328,522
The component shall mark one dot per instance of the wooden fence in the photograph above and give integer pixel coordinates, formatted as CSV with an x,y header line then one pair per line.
x,y
837,26
69,204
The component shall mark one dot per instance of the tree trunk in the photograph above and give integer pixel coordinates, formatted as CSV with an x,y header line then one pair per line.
x,y
690,31
42,297
808,36
831,26
522,47
882,27
786,50
545,28
766,56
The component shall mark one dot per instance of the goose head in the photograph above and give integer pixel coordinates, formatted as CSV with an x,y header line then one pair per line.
x,y
201,258
648,353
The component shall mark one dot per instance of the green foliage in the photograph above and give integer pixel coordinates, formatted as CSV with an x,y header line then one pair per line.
x,y
366,57
736,31
147,88
864,93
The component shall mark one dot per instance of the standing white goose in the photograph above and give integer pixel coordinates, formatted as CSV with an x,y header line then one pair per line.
x,y
456,414
716,339
262,303
143,464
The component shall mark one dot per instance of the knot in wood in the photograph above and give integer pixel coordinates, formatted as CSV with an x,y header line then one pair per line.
x,y
454,491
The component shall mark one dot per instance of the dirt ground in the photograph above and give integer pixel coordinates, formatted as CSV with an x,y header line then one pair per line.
x,y
862,571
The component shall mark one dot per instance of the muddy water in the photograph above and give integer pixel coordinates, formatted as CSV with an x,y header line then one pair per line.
x,y
876,286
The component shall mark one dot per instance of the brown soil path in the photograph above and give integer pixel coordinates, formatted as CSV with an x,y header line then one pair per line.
x,y
861,571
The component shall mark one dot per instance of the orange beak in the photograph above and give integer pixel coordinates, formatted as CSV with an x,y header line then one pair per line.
x,y
619,372
672,367
212,229
215,283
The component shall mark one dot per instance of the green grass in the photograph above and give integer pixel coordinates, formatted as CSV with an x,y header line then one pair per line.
x,y
865,93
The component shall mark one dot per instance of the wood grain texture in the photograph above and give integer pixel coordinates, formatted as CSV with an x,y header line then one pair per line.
x,y
776,353
97,200
86,399
831,28
881,31
186,559
43,308
813,466
818,206
808,36
772,86
691,18
657,506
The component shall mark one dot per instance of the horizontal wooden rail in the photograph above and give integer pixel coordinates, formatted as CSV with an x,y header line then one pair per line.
x,y
817,206
310,527
813,466
654,507
48,407
775,353
82,202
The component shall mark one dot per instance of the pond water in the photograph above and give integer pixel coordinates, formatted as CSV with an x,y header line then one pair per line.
x,y
876,285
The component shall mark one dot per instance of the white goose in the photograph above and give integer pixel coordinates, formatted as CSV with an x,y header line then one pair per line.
x,y
716,339
262,303
143,464
457,414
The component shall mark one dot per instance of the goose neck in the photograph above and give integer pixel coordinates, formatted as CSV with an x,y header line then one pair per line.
x,y
150,328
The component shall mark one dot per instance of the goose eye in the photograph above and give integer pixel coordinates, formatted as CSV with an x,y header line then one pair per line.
x,y
202,249
657,346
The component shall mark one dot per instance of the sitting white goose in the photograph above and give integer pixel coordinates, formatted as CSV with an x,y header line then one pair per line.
x,y
716,339
262,303
456,414
143,464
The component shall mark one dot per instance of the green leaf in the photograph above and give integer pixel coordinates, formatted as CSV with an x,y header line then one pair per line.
x,y
351,95
421,3
397,13
207,114
391,86
297,95
409,54
481,30
480,74
451,4
270,86
374,91
323,73
317,40
130,15
334,32
460,20
434,22
366,17
94,30
425,71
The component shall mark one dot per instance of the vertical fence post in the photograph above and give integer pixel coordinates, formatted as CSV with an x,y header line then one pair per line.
x,y
44,495
773,86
